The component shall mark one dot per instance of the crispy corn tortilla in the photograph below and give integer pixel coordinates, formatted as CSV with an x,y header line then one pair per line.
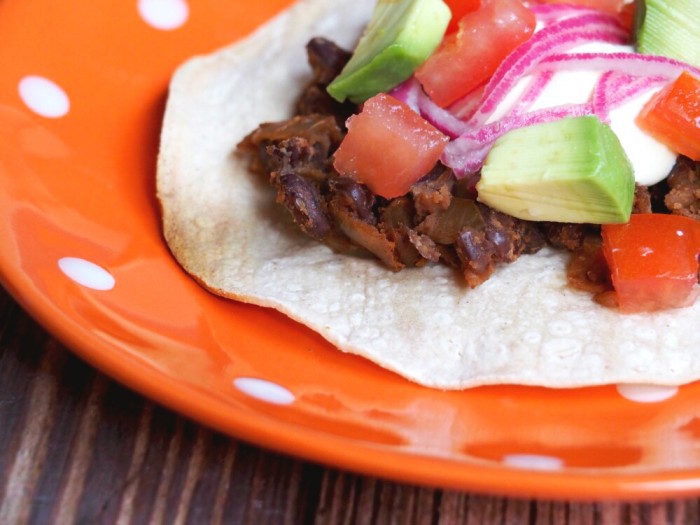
x,y
523,326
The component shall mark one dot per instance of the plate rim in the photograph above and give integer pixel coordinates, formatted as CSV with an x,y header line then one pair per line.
x,y
366,458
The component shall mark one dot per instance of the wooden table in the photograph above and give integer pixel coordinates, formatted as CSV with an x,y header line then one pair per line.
x,y
76,447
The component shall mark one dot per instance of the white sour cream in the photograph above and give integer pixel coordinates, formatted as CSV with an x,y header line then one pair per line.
x,y
651,160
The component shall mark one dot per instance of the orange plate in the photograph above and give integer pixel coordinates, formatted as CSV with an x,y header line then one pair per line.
x,y
82,90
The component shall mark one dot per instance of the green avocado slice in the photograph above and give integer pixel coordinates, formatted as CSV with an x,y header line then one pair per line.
x,y
669,28
400,36
570,170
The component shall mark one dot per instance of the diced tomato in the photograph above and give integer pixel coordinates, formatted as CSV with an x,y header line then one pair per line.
x,y
627,14
459,8
388,146
653,261
467,58
672,116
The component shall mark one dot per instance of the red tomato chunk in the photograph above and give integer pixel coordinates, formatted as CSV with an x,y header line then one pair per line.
x,y
653,261
459,8
466,59
673,116
388,147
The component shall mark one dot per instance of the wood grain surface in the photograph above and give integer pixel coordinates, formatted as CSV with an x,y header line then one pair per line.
x,y
76,447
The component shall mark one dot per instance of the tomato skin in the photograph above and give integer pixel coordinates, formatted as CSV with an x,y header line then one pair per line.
x,y
672,116
388,146
627,14
653,260
459,8
467,58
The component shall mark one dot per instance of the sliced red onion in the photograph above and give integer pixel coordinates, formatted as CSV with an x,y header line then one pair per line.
x,y
465,107
635,87
600,96
615,88
408,93
411,93
441,118
534,90
634,64
466,153
560,36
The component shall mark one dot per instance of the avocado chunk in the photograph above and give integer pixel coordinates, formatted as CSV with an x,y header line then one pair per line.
x,y
570,170
668,28
400,36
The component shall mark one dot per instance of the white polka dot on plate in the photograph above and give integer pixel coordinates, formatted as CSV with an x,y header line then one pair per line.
x,y
264,390
86,273
43,96
647,393
533,462
164,14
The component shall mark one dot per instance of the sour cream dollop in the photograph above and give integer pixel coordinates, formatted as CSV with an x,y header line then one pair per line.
x,y
651,160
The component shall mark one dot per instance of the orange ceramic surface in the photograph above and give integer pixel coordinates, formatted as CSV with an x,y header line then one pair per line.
x,y
82,90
